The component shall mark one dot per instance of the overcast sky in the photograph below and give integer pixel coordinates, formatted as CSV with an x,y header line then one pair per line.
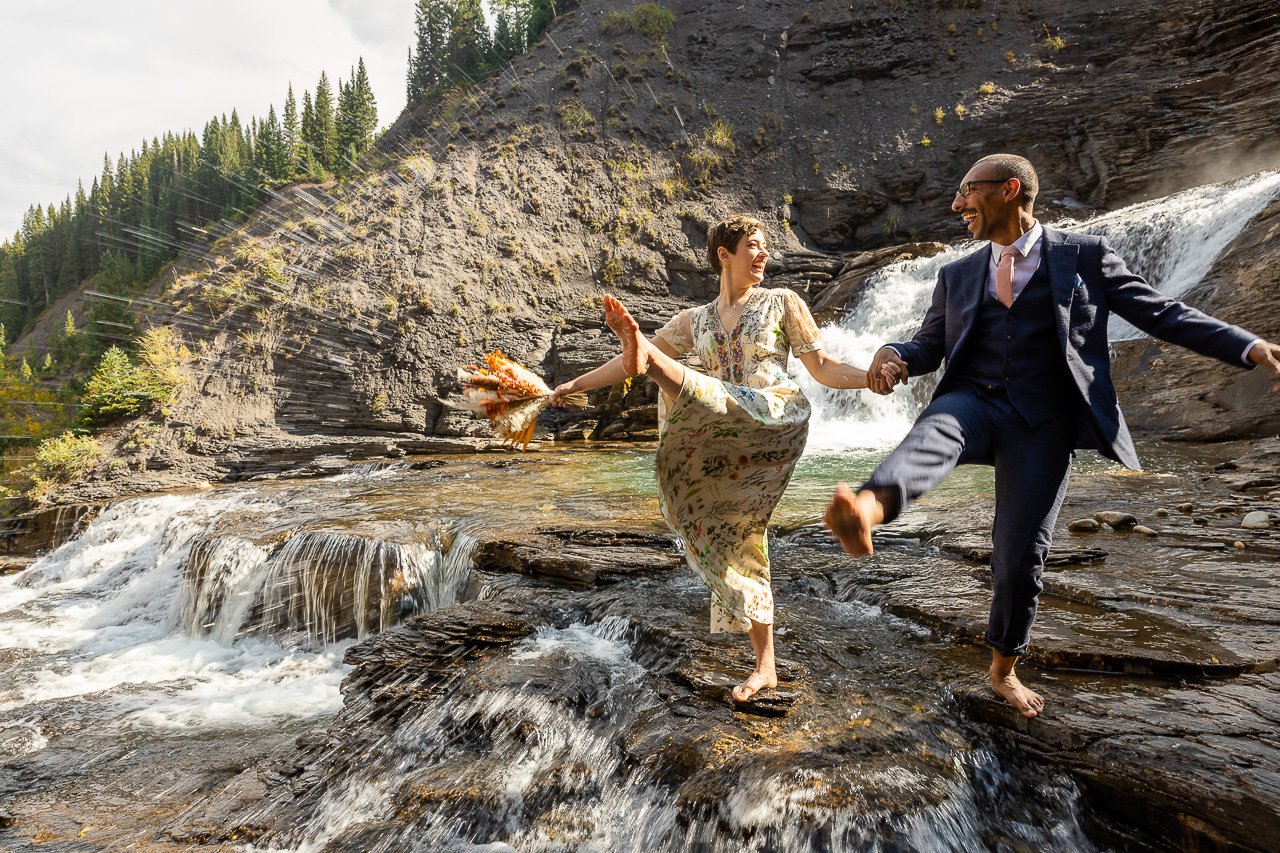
x,y
82,77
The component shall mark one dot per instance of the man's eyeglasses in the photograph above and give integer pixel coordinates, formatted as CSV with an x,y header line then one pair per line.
x,y
967,188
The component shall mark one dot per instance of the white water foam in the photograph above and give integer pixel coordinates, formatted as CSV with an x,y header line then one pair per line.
x,y
112,620
1172,241
100,607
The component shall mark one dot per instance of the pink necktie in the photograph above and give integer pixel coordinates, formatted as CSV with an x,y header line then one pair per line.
x,y
1004,275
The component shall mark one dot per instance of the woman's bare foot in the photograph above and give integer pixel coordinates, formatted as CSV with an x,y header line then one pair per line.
x,y
635,347
850,518
1004,682
755,682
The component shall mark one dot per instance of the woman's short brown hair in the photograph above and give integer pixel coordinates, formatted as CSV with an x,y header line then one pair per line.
x,y
729,233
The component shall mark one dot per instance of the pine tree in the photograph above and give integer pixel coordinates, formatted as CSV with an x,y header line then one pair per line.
x,y
308,123
357,113
324,139
270,158
291,131
541,14
468,49
503,47
428,66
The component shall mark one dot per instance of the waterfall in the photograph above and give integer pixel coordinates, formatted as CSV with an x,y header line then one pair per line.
x,y
1172,242
178,624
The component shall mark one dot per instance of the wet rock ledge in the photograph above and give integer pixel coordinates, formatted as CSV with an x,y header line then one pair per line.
x,y
1157,661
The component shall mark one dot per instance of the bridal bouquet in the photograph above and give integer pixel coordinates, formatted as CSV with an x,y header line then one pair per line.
x,y
509,395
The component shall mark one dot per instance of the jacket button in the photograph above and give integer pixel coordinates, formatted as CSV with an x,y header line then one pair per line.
x,y
1009,337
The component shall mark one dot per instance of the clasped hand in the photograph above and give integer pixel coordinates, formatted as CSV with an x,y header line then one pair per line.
x,y
886,371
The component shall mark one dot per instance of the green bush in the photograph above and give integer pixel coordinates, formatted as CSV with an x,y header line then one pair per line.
x,y
574,115
649,19
64,458
118,389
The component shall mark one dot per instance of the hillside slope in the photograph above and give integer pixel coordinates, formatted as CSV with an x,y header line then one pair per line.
x,y
494,217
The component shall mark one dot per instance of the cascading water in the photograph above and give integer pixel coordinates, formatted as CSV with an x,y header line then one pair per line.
x,y
99,613
183,627
507,767
1172,241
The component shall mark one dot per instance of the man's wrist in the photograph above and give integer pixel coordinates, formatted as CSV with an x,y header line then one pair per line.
x,y
1248,351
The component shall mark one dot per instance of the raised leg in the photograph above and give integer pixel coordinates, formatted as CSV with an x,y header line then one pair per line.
x,y
765,673
850,518
639,355
954,429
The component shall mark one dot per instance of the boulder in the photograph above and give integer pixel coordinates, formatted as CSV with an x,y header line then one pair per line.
x,y
1116,520
1084,525
1256,520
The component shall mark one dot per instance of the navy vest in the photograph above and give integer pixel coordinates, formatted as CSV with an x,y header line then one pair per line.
x,y
1017,348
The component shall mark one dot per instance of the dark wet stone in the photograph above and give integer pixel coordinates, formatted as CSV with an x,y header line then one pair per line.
x,y
578,557
1197,767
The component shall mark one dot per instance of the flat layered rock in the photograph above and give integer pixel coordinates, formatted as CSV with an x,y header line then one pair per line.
x,y
1196,767
578,556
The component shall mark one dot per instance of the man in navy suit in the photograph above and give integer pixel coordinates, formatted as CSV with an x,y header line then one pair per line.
x,y
1022,326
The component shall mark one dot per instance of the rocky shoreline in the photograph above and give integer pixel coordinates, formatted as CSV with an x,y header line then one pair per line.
x,y
1157,656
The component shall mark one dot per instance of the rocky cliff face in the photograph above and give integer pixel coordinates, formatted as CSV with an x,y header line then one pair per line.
x,y
496,217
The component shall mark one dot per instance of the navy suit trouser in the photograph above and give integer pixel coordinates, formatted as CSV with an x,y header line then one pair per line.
x,y
1032,464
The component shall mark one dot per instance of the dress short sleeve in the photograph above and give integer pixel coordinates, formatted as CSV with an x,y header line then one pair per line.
x,y
798,323
678,333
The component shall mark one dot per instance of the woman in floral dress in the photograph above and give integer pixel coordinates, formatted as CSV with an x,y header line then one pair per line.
x,y
729,437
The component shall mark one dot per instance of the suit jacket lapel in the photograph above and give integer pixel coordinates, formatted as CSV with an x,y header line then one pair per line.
x,y
1061,258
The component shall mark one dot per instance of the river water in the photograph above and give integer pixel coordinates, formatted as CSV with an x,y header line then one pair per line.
x,y
211,616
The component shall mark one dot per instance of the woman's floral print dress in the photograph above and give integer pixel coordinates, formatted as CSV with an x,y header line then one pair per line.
x,y
728,444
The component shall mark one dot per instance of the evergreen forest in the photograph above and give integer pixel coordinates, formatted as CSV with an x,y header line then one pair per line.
x,y
146,206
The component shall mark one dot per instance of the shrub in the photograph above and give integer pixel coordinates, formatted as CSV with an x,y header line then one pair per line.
x,y
960,110
938,114
117,389
987,89
650,19
574,115
720,137
64,458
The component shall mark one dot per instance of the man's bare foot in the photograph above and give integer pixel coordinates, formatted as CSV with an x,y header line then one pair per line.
x,y
850,518
1028,702
755,682
635,347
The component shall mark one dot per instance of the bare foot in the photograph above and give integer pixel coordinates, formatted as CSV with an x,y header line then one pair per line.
x,y
635,348
1028,702
850,518
755,682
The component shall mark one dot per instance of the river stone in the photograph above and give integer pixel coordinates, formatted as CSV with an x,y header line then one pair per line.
x,y
1239,546
1083,525
1145,531
1162,513
1184,508
1117,520
1256,520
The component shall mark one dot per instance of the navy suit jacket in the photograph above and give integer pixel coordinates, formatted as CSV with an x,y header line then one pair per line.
x,y
1089,281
